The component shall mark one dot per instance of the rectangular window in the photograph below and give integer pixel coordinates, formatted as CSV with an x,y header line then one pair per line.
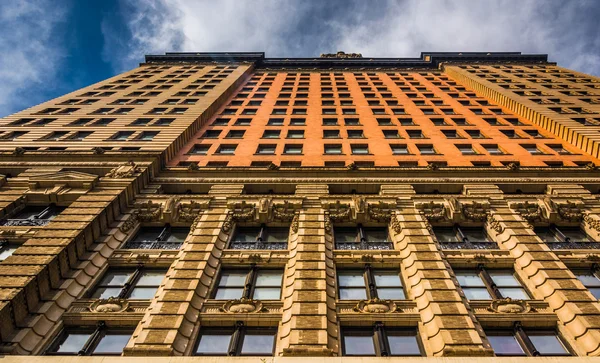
x,y
333,149
80,135
379,341
399,149
101,341
295,134
259,238
499,284
271,134
292,149
129,283
121,135
426,149
355,134
235,134
199,149
359,149
391,134
466,149
521,342
211,134
227,149
331,134
147,135
252,284
237,341
266,149
493,149
160,238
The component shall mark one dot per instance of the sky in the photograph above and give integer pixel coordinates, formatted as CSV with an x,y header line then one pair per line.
x,y
52,47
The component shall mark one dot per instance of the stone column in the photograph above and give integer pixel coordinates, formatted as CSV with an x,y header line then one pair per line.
x,y
309,326
446,327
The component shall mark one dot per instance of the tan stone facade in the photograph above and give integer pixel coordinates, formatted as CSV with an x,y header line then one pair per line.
x,y
157,198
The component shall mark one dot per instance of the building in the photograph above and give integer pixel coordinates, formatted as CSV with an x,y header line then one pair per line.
x,y
222,204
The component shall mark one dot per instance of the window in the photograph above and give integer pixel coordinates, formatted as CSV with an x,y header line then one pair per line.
x,y
466,149
565,237
384,122
521,342
483,284
415,134
226,149
426,149
351,122
266,149
512,134
333,149
12,135
121,135
589,279
33,216
451,134
141,122
297,122
475,134
399,149
355,134
55,136
292,149
379,341
163,238
559,149
391,134
101,341
259,238
331,134
199,149
493,149
370,284
211,134
359,149
532,149
147,135
330,122
243,122
235,134
137,283
251,284
6,250
295,134
360,238
237,341
80,135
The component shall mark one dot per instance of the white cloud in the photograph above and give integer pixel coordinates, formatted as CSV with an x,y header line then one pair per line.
x,y
383,28
30,52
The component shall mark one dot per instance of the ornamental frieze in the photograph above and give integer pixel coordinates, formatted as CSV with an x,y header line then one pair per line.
x,y
148,211
243,306
242,211
509,306
530,211
190,210
494,223
381,211
376,306
129,222
571,211
110,305
433,211
338,211
475,211
285,211
127,170
591,222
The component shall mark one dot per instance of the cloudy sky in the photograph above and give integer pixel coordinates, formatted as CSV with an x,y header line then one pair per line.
x,y
51,47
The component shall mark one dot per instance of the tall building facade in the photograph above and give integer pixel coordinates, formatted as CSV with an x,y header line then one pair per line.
x,y
229,204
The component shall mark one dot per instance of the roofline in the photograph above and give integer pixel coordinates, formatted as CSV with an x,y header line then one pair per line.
x,y
426,59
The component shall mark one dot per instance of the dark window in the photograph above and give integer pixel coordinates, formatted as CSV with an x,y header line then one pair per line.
x,y
251,284
292,149
226,149
360,238
271,134
260,238
521,342
147,135
101,341
121,135
266,149
370,284
167,238
129,283
331,134
33,216
379,341
484,284
567,236
200,149
359,149
237,341
333,149
295,134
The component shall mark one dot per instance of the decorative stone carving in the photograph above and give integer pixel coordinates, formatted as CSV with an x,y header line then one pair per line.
x,y
188,212
432,166
19,151
327,224
475,211
127,170
592,222
148,211
432,211
590,166
568,210
285,211
494,223
381,212
359,204
243,211
129,222
295,222
339,212
98,150
375,306
396,226
228,223
243,306
512,166
110,305
352,166
273,166
509,306
530,211
341,54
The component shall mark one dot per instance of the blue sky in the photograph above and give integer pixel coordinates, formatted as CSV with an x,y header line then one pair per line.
x,y
51,47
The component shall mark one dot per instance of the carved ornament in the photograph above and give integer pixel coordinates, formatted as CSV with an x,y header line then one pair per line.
x,y
338,211
327,224
127,170
189,211
295,222
509,306
432,211
529,211
592,222
129,222
395,224
475,211
494,223
228,223
341,54
381,212
148,211
375,306
285,211
242,211
110,305
512,166
243,306
359,204
568,210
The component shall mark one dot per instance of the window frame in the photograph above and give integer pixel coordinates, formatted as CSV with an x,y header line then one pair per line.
x,y
380,337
